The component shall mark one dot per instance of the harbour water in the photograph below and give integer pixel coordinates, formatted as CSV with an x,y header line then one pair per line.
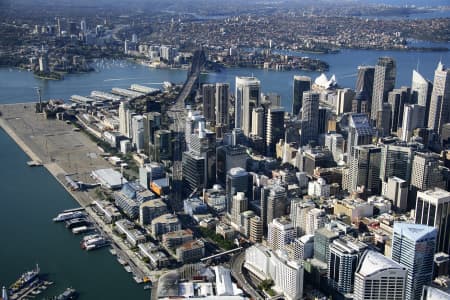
x,y
31,197
19,85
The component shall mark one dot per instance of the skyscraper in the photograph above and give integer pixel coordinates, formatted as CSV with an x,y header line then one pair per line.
x,y
379,278
123,119
222,97
421,90
397,98
323,237
209,102
426,171
344,258
280,233
237,181
396,161
310,117
364,82
161,149
298,215
384,82
365,169
440,99
228,157
274,128
359,131
152,123
413,117
194,169
247,97
301,84
344,99
137,132
433,209
413,246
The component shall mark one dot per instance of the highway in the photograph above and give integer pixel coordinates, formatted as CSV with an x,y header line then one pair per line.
x,y
237,264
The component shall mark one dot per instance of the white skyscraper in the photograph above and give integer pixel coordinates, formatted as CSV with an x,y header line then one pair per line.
x,y
247,97
299,211
137,132
384,82
440,99
421,91
379,278
123,119
315,219
413,246
413,116
280,233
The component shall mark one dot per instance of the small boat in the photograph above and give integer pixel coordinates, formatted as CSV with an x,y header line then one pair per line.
x,y
68,294
147,287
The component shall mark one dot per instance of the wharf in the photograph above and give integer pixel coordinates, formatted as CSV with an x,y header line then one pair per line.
x,y
63,151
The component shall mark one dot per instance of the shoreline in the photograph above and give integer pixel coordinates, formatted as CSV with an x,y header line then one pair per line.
x,y
82,198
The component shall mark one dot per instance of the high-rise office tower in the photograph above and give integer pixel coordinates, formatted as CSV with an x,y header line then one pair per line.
x,y
209,102
222,98
344,99
413,246
384,120
301,84
384,82
203,143
315,219
228,157
325,115
193,119
397,98
274,128
396,190
273,203
193,168
280,233
433,209
323,237
364,83
239,204
360,104
421,90
298,215
237,181
413,117
152,123
137,132
161,149
258,122
379,278
310,117
123,119
426,171
440,99
247,97
365,169
83,26
344,258
396,161
359,131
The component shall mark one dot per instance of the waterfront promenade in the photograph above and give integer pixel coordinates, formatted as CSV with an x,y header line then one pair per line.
x,y
64,151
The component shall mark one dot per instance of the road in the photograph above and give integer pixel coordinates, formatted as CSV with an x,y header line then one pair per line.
x,y
237,264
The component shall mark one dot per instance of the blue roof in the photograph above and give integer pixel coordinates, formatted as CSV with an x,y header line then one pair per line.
x,y
415,232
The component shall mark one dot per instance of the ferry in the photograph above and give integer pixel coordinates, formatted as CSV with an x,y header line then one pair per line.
x,y
81,229
77,222
94,243
25,280
68,216
68,294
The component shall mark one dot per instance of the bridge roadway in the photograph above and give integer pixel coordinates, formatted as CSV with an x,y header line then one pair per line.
x,y
178,114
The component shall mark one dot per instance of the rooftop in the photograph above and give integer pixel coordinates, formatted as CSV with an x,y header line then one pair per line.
x,y
414,232
374,262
